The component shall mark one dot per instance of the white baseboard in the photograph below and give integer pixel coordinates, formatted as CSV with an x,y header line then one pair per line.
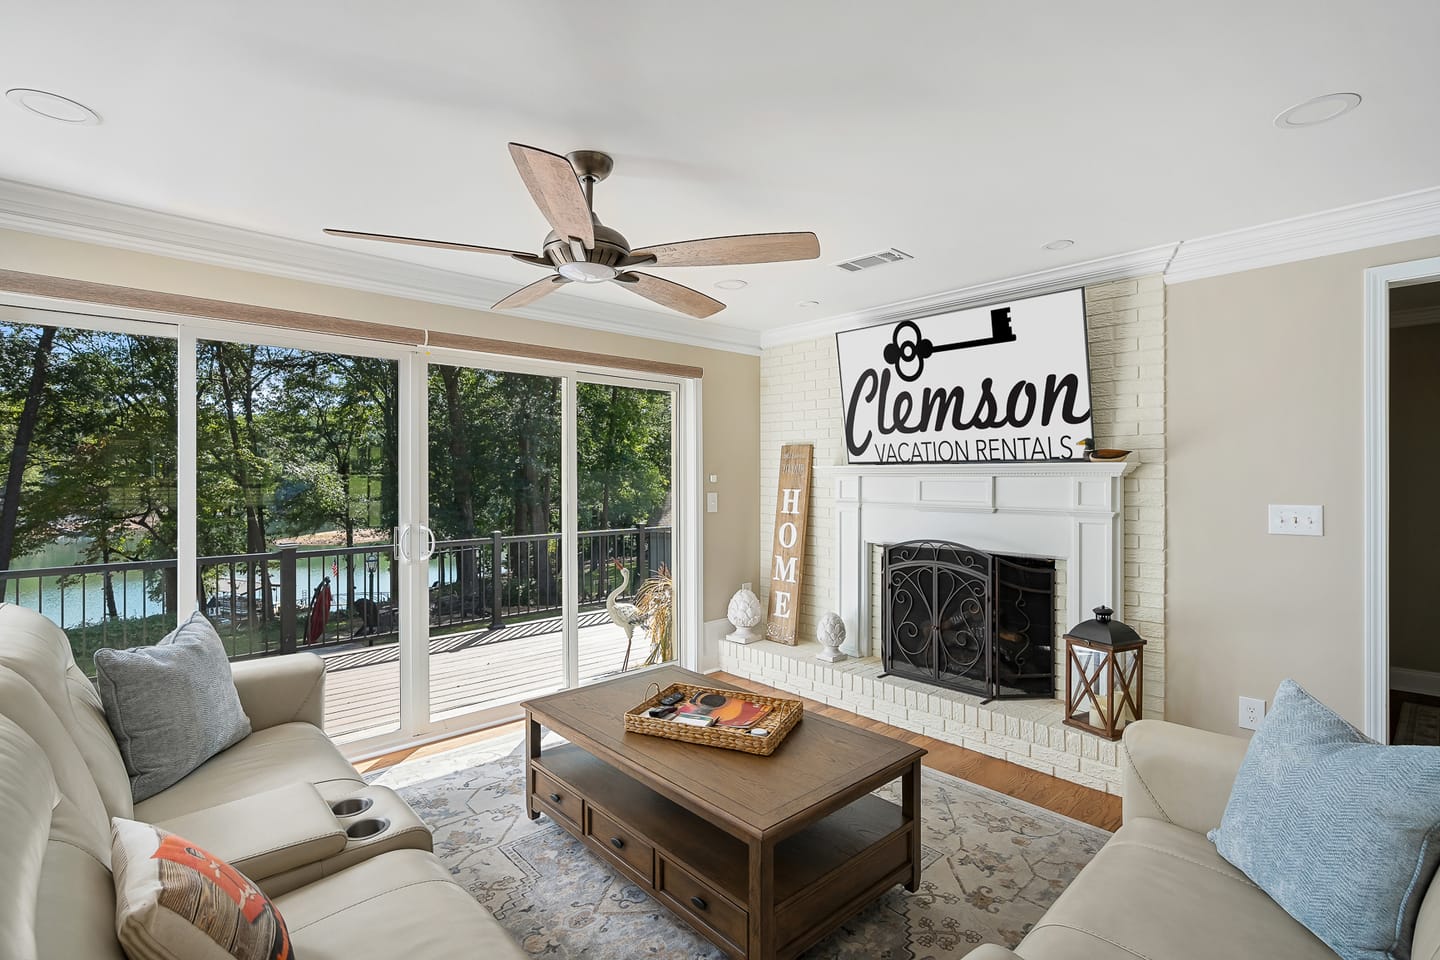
x,y
710,641
1415,681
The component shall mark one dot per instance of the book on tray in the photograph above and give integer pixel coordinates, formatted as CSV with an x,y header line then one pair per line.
x,y
726,711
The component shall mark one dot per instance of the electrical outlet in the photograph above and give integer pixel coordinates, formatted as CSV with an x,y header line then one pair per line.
x,y
1297,521
1252,711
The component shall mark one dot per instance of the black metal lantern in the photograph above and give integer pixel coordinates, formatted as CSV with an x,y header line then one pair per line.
x,y
1104,675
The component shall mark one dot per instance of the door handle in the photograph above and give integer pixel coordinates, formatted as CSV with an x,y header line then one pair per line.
x,y
430,542
400,534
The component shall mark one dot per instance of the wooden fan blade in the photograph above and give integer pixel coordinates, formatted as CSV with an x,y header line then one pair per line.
x,y
418,242
673,295
557,192
532,292
747,248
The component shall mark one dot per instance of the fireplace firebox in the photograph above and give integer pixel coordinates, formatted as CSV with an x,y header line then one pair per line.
x,y
971,621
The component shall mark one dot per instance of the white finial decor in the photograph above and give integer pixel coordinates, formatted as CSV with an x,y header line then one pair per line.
x,y
830,631
744,615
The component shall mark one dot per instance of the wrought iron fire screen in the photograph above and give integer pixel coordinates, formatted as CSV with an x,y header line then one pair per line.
x,y
972,621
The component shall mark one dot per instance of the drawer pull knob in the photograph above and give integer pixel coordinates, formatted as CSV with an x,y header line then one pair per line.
x,y
698,903
554,798
617,843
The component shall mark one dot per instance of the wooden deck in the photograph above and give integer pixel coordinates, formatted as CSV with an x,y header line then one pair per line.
x,y
467,673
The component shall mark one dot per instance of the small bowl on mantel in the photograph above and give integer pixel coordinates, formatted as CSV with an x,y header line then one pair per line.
x,y
1108,456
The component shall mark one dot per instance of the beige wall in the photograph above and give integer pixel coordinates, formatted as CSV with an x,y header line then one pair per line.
x,y
1414,465
731,394
1264,379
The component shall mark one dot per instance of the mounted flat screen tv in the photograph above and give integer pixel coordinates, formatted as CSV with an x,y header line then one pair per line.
x,y
1004,383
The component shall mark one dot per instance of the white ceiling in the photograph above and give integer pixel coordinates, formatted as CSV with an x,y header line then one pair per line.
x,y
966,134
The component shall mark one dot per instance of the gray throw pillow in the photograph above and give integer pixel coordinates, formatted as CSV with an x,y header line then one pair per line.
x,y
1341,832
171,706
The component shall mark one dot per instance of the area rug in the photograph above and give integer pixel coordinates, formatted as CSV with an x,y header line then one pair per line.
x,y
1419,724
992,865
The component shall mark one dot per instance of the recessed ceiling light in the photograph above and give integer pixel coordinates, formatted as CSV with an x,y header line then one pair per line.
x,y
731,284
52,106
808,303
1317,110
1059,244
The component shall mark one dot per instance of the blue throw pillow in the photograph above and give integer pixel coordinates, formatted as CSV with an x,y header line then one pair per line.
x,y
171,706
1341,832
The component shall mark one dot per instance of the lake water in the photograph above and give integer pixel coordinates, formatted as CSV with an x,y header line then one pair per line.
x,y
78,599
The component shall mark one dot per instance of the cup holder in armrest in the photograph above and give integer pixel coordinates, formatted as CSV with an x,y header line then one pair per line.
x,y
351,806
365,829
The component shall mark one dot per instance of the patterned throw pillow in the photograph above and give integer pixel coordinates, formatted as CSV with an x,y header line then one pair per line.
x,y
1341,832
174,901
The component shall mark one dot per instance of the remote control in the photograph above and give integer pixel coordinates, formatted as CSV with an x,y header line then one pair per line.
x,y
660,713
670,700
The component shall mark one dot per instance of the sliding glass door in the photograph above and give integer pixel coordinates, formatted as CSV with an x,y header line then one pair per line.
x,y
626,514
451,533
297,467
496,627
88,508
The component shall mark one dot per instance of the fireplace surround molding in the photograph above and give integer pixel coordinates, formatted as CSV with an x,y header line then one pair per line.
x,y
1066,510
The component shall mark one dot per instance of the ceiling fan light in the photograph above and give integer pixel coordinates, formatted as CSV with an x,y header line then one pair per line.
x,y
582,271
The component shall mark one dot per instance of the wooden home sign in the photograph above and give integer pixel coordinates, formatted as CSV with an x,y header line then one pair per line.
x,y
787,572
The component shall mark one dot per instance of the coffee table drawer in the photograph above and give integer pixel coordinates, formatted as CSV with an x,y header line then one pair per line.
x,y
695,898
623,845
557,796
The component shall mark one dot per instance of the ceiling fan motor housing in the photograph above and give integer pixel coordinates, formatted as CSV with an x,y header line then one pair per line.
x,y
611,249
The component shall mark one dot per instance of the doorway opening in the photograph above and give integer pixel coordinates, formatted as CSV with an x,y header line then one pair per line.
x,y
1414,527
1402,398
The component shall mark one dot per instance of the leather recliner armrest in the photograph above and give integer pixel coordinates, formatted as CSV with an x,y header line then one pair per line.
x,y
266,833
276,690
1178,774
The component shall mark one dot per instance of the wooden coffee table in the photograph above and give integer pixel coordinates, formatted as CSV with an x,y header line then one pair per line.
x,y
762,855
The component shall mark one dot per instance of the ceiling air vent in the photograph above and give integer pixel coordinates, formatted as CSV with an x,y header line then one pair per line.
x,y
874,260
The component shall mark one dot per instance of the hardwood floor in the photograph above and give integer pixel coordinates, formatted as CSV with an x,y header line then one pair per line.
x,y
1043,790
1052,793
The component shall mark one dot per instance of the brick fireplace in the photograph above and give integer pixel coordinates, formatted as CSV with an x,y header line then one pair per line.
x,y
1068,515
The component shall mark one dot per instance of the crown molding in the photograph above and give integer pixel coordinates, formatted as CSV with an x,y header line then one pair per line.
x,y
1126,266
55,213
1409,216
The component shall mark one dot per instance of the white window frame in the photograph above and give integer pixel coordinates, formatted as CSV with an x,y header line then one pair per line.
x,y
415,724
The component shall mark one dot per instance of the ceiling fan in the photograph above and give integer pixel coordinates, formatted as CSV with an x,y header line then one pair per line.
x,y
580,249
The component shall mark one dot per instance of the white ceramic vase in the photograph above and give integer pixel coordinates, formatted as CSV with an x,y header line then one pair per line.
x,y
830,631
744,615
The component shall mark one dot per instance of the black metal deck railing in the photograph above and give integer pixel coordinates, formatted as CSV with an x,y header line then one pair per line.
x,y
294,598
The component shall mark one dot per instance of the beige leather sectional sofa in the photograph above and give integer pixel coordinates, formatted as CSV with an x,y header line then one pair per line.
x,y
350,885
1159,890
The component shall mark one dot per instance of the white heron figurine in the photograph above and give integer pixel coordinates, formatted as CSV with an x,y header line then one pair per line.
x,y
626,616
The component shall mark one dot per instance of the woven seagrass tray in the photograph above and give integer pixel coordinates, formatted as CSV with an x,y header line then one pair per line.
x,y
779,721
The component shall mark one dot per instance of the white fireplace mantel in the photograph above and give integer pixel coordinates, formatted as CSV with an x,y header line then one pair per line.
x,y
1071,511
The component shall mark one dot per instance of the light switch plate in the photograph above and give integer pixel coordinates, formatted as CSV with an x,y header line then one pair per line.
x,y
1297,521
712,503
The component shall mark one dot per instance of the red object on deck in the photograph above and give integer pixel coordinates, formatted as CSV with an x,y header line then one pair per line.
x,y
319,612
